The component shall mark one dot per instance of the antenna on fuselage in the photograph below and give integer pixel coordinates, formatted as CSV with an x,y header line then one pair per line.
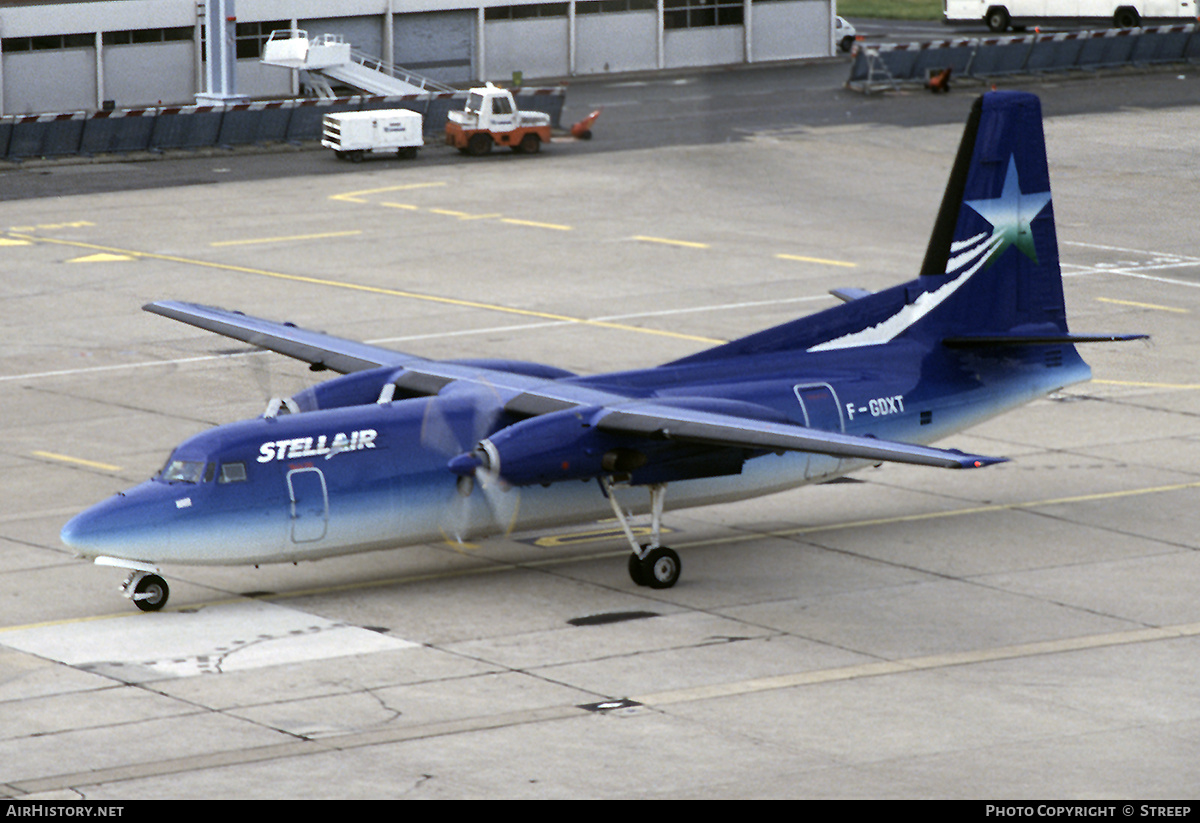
x,y
277,405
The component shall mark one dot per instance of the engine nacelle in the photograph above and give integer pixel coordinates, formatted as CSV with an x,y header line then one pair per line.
x,y
558,446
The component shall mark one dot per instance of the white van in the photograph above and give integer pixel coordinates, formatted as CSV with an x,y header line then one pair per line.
x,y
1121,14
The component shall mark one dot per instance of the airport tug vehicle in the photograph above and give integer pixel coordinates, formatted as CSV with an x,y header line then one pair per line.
x,y
491,118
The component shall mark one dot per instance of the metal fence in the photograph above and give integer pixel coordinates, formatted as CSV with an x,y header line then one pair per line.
x,y
196,127
890,65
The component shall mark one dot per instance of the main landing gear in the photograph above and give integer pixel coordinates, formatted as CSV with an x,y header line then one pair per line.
x,y
653,564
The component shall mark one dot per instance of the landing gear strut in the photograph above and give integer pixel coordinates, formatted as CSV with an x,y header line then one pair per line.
x,y
653,564
144,586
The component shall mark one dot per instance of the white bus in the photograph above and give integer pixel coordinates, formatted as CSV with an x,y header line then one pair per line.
x,y
1017,14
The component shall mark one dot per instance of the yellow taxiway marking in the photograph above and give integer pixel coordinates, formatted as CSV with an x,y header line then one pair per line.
x,y
345,741
535,224
666,241
1135,304
358,196
916,664
341,284
1144,385
913,518
287,239
599,535
91,464
101,257
76,224
462,215
8,241
823,261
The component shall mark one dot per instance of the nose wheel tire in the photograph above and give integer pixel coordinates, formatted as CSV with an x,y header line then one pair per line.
x,y
659,569
151,593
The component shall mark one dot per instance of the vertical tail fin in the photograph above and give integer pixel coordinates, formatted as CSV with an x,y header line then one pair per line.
x,y
991,273
994,243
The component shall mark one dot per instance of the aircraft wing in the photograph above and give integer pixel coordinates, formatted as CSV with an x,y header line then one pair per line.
x,y
535,396
670,422
323,351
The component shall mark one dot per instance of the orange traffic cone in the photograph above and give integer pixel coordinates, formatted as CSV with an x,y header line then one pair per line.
x,y
583,129
940,81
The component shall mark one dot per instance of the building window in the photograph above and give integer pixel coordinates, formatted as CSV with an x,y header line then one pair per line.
x,y
614,6
525,12
691,14
48,42
250,37
124,38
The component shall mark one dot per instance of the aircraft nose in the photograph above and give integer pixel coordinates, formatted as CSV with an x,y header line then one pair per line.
x,y
114,527
89,531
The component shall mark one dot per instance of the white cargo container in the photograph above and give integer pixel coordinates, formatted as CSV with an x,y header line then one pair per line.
x,y
355,134
1122,14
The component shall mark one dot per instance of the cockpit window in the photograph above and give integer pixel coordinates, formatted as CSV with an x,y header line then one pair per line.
x,y
183,471
232,473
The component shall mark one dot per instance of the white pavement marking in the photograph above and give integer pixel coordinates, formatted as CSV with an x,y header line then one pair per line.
x,y
224,637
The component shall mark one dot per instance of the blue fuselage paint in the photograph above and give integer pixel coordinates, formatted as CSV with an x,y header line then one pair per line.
x,y
371,476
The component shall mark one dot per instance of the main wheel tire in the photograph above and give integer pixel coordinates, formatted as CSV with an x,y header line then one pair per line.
x,y
662,568
638,572
151,593
1126,18
997,19
530,144
479,145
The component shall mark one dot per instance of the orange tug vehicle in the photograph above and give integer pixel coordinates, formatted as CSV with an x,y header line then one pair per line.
x,y
491,118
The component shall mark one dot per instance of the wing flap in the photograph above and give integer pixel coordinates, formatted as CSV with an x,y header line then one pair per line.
x,y
668,422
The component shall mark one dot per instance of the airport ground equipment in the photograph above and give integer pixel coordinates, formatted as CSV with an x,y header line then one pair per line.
x,y
355,134
491,117
888,65
329,59
1000,15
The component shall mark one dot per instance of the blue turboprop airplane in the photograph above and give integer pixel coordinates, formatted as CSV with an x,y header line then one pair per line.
x,y
401,450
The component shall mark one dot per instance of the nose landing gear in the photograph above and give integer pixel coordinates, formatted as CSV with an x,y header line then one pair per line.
x,y
149,592
144,586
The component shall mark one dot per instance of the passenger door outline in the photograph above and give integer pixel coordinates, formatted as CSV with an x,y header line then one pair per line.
x,y
309,498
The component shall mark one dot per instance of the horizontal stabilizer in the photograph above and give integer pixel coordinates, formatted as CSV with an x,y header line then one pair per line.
x,y
849,293
970,341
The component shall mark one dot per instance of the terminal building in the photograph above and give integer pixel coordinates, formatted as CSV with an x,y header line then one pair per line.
x,y
91,55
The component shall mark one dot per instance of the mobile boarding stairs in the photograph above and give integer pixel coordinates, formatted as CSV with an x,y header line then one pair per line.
x,y
328,59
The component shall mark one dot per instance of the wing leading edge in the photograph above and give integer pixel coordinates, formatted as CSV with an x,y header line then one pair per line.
x,y
322,351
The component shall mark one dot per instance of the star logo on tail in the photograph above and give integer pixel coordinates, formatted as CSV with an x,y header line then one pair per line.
x,y
1010,215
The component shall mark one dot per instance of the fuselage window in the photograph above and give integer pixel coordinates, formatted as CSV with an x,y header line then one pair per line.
x,y
232,473
183,471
